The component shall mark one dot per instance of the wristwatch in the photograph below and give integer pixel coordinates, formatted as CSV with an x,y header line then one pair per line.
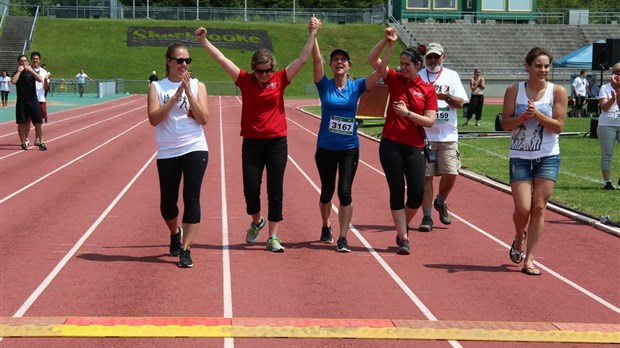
x,y
447,98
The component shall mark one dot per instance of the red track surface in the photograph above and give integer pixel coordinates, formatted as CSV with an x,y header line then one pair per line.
x,y
82,237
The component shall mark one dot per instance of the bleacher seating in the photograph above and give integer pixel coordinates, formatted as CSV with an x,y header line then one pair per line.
x,y
500,49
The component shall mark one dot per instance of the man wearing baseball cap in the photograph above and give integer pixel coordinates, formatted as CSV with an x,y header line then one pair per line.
x,y
443,135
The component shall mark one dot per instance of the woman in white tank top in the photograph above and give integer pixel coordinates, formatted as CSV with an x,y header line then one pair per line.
x,y
535,112
177,108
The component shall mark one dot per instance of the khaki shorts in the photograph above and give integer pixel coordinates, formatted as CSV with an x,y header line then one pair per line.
x,y
448,159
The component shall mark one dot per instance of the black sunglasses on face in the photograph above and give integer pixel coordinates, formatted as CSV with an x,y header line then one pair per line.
x,y
181,60
263,71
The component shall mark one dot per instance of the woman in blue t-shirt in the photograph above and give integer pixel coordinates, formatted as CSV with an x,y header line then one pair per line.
x,y
338,143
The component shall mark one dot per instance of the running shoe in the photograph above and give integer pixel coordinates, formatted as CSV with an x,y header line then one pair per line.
x,y
404,248
175,243
326,235
37,142
252,236
444,214
27,142
275,244
185,259
42,147
609,186
343,245
24,146
426,225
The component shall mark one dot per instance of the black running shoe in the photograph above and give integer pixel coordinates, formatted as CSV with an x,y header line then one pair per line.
x,y
326,235
185,259
444,214
426,225
42,147
608,186
24,146
343,245
404,248
175,243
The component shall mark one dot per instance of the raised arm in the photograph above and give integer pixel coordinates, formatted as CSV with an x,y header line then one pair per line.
x,y
231,68
389,38
296,65
317,62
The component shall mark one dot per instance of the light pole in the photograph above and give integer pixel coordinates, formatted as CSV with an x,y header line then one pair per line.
x,y
245,12
294,21
147,9
197,6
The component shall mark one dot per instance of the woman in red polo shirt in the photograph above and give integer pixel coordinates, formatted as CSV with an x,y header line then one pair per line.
x,y
414,105
263,128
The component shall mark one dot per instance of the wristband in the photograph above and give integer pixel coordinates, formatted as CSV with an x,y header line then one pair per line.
x,y
522,117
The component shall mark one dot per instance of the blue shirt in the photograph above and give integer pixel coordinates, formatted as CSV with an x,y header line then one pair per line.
x,y
338,130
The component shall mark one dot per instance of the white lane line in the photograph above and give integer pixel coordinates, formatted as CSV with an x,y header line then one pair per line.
x,y
66,165
69,118
61,264
547,269
567,281
77,130
415,299
227,281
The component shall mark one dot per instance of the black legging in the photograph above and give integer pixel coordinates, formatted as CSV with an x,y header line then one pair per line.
x,y
403,162
475,106
191,167
256,155
5,96
345,163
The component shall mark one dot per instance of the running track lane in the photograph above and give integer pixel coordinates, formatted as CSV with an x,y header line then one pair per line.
x,y
458,272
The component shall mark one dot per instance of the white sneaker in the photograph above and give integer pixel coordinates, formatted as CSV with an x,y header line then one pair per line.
x,y
37,142
27,142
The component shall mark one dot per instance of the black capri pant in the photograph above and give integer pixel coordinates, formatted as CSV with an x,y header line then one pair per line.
x,y
328,162
191,167
475,106
402,162
256,155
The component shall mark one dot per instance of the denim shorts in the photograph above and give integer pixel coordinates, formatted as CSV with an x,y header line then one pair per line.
x,y
526,170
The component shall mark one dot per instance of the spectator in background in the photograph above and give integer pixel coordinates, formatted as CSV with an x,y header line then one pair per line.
x,y
477,85
443,136
412,106
153,77
178,109
5,88
35,58
27,105
535,112
608,129
81,81
263,128
580,89
338,143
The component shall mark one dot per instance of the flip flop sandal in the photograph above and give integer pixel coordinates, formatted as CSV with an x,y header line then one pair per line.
x,y
517,256
531,271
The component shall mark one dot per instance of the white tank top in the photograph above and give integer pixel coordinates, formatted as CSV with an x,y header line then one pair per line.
x,y
179,133
531,140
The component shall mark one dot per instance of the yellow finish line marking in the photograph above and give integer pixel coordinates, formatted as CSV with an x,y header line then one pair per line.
x,y
100,327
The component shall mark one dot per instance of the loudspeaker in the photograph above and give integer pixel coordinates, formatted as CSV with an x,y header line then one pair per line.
x,y
613,51
599,56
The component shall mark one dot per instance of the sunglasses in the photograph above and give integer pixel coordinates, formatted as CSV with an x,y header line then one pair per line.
x,y
263,71
181,60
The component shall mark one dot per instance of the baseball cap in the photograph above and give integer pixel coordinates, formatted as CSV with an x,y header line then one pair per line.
x,y
341,52
435,48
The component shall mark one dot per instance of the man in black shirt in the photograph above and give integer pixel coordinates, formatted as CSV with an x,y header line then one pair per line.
x,y
27,104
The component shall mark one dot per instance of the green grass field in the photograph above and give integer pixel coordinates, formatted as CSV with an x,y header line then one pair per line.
x,y
99,46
